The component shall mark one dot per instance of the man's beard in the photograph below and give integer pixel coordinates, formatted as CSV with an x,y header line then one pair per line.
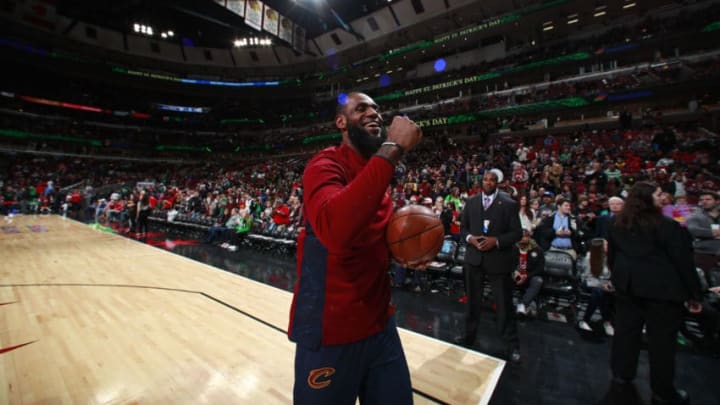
x,y
364,142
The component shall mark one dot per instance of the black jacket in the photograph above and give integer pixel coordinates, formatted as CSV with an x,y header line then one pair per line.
x,y
535,262
656,264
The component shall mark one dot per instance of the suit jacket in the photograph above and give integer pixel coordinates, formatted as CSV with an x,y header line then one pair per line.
x,y
602,226
657,264
504,225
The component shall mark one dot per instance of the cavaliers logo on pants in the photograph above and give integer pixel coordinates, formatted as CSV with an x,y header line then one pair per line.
x,y
320,377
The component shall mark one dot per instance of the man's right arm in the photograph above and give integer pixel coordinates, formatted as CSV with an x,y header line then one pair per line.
x,y
337,211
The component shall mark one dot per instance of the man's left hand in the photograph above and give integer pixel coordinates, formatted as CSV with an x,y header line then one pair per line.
x,y
488,243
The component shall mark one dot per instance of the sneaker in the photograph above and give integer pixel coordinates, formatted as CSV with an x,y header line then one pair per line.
x,y
514,355
521,309
584,326
680,397
609,330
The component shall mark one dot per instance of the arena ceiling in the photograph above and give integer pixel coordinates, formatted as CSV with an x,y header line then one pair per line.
x,y
208,23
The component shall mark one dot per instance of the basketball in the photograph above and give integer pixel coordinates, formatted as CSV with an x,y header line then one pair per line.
x,y
414,234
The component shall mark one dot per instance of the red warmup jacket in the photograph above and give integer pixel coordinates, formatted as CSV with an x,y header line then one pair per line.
x,y
343,290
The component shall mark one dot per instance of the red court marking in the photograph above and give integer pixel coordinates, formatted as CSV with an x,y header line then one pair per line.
x,y
11,348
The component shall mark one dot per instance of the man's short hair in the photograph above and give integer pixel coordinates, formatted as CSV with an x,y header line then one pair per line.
x,y
711,193
561,200
616,199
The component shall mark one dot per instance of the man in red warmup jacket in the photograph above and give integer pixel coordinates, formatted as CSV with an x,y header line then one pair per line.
x,y
341,317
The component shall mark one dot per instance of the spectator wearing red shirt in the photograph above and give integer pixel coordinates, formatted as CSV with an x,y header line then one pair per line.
x,y
280,215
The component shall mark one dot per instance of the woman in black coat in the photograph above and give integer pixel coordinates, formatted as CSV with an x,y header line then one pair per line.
x,y
650,257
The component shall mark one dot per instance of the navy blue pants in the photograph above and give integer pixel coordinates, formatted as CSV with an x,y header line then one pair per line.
x,y
373,369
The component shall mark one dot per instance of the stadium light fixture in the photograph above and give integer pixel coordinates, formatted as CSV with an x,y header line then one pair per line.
x,y
252,41
143,29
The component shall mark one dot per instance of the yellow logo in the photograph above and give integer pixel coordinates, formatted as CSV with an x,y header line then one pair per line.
x,y
319,378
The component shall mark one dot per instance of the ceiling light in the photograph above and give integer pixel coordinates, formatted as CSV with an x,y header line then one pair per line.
x,y
548,28
629,5
573,21
599,13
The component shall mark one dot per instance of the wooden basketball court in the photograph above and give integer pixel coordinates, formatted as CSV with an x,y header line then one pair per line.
x,y
91,317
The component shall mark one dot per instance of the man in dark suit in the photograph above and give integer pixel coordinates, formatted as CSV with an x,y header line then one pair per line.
x,y
602,225
491,226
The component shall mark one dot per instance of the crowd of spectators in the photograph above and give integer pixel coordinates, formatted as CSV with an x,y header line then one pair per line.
x,y
577,174
586,169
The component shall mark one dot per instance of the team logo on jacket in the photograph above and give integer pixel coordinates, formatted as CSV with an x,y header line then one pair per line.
x,y
320,377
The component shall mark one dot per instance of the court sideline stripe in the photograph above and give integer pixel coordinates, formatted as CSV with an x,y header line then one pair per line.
x,y
210,297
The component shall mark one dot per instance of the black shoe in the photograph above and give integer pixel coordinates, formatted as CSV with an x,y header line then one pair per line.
x,y
464,340
680,397
622,392
513,355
